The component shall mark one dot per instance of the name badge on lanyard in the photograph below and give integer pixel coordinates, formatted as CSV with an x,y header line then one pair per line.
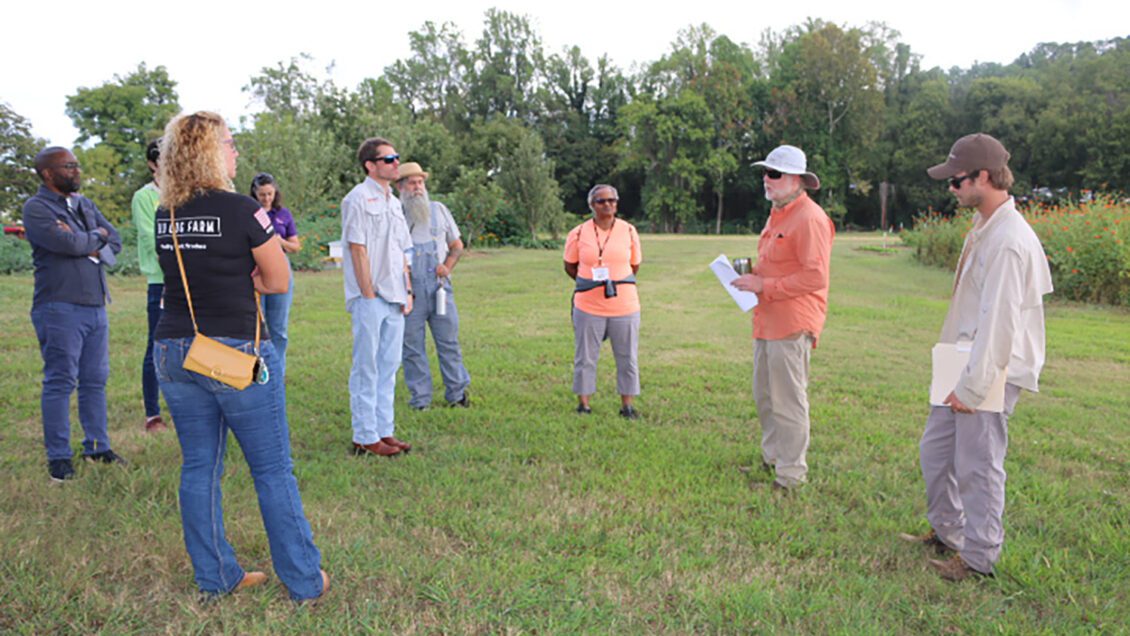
x,y
600,274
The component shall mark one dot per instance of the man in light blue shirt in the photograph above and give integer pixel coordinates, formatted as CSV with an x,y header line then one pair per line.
x,y
378,294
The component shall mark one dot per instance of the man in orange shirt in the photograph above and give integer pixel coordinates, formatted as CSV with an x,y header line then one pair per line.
x,y
791,283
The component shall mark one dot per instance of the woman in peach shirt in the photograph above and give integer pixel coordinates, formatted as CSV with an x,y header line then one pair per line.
x,y
603,255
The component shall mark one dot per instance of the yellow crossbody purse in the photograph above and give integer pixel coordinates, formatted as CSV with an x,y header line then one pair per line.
x,y
215,359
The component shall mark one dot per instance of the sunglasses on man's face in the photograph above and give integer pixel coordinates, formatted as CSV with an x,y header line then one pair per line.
x,y
955,182
773,174
609,200
386,158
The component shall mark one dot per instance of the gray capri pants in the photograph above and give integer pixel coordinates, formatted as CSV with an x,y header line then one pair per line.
x,y
589,331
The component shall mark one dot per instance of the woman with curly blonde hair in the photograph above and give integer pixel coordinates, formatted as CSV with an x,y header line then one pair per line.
x,y
229,251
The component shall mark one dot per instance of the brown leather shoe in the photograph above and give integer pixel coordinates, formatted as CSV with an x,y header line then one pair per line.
x,y
955,569
313,602
392,441
928,540
251,579
380,448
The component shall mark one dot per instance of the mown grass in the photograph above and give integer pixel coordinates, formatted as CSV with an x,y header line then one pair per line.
x,y
518,516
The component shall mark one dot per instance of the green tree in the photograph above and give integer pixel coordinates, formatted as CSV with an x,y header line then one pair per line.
x,y
530,191
301,155
724,74
505,68
474,201
288,87
433,80
102,171
18,147
577,111
120,117
829,102
668,140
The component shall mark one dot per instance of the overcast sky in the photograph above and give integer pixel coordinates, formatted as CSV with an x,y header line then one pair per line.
x,y
211,49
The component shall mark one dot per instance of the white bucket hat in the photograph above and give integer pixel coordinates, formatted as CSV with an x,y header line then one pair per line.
x,y
790,160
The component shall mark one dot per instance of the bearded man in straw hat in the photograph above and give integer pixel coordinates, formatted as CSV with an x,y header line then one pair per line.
x,y
436,248
791,283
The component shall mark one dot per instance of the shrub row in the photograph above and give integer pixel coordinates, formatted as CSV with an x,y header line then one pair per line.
x,y
1087,244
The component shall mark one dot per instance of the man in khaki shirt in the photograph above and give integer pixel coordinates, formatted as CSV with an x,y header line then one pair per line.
x,y
997,311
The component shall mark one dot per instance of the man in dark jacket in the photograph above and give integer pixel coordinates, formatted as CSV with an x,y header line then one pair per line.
x,y
72,243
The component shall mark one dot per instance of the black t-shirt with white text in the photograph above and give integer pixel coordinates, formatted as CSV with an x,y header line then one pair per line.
x,y
216,231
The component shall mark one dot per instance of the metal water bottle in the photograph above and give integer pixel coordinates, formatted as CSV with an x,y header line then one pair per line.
x,y
441,300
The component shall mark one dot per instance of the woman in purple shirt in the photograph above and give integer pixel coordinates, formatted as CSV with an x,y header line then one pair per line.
x,y
276,307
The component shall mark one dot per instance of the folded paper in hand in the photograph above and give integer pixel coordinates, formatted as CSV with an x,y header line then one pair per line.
x,y
726,275
950,360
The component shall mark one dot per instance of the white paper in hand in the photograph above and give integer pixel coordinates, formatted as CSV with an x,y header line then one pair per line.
x,y
726,275
949,363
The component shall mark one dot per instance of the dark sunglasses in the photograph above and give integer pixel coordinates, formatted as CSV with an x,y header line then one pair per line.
x,y
608,200
955,182
386,159
773,174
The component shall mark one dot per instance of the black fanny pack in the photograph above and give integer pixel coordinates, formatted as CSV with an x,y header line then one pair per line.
x,y
585,284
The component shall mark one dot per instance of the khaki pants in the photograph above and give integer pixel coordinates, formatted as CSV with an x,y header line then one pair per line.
x,y
780,388
962,459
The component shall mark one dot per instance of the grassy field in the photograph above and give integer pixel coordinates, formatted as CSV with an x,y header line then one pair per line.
x,y
518,516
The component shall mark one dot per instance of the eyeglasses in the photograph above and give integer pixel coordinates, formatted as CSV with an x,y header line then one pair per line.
x,y
70,165
955,182
608,200
773,174
230,142
386,159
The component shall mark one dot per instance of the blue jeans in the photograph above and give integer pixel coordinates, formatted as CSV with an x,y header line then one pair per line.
x,y
276,311
205,410
74,341
378,337
149,386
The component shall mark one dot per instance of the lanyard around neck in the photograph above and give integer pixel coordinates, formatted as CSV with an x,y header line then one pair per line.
x,y
599,247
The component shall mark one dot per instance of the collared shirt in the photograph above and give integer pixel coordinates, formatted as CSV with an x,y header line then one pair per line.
x,y
998,304
283,221
793,258
372,217
64,271
442,230
144,209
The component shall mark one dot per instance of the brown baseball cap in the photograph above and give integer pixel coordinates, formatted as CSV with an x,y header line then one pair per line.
x,y
972,152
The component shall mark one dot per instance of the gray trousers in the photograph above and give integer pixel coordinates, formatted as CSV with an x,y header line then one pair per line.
x,y
445,334
962,459
780,388
588,332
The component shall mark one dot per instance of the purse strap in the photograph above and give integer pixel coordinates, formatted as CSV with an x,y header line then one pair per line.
x,y
188,296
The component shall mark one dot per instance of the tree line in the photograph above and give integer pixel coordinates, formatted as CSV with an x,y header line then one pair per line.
x,y
515,135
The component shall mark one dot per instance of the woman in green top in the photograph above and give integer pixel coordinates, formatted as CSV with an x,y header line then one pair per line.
x,y
144,219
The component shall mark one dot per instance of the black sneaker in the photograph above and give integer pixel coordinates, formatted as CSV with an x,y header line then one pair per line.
x,y
628,412
61,469
464,402
106,457
584,410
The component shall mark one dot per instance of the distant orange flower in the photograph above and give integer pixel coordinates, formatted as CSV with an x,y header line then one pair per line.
x,y
1070,249
1074,271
